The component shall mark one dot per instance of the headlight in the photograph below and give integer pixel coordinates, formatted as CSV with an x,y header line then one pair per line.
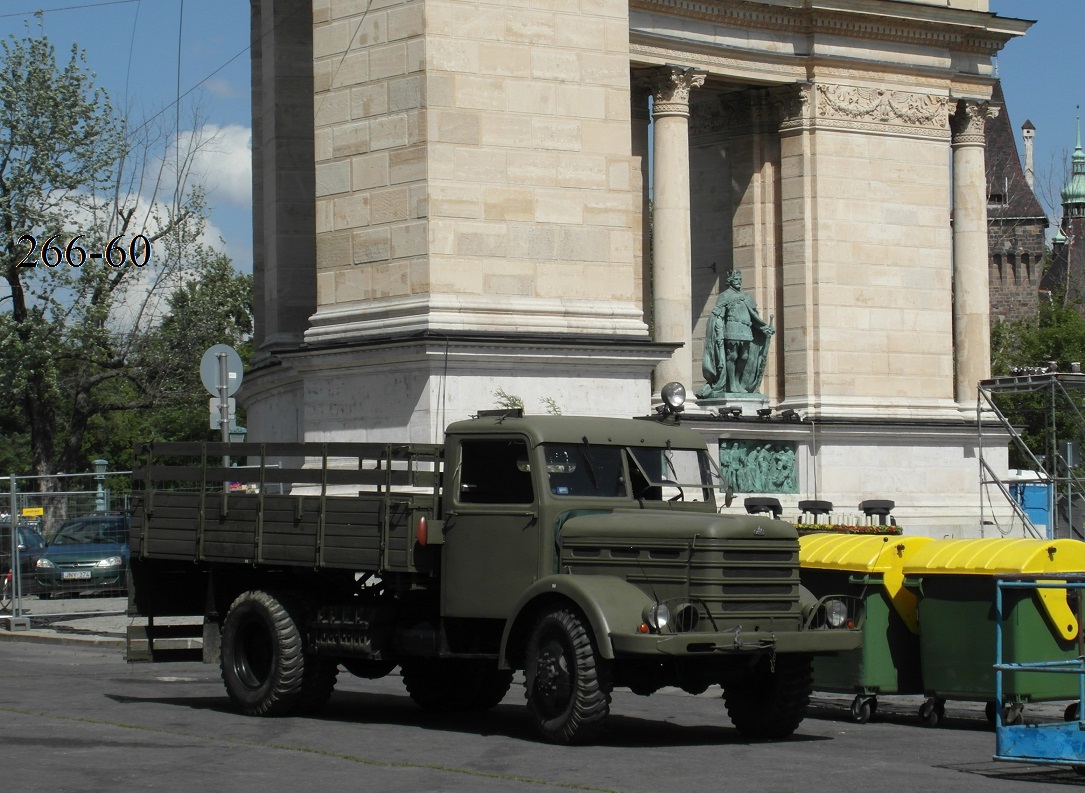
x,y
44,564
111,561
674,395
658,616
836,613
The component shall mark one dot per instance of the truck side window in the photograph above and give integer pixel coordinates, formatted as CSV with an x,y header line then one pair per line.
x,y
495,472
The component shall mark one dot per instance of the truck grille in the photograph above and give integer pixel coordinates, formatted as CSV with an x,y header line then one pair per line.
x,y
727,579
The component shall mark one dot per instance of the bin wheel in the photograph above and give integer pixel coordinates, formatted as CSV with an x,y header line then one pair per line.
x,y
1011,713
1072,713
932,711
862,708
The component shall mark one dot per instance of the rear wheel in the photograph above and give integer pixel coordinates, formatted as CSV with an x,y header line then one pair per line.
x,y
771,703
264,666
455,684
567,684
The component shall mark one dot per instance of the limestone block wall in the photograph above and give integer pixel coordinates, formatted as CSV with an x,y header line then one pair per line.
x,y
867,251
474,167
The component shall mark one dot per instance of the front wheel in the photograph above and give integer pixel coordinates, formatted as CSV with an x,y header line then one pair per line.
x,y
771,702
264,666
566,683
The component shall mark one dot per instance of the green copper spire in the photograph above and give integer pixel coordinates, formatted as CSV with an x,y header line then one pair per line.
x,y
1074,192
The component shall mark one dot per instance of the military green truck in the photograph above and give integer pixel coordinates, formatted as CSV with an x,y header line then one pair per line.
x,y
587,552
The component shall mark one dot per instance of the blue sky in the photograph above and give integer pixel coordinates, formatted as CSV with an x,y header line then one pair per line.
x,y
1043,78
138,49
146,52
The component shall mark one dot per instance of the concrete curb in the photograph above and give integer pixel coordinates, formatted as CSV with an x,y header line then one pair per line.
x,y
52,637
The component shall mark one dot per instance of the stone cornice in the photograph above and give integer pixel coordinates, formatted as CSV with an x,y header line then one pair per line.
x,y
880,20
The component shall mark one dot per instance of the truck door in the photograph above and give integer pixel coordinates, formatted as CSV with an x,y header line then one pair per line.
x,y
491,534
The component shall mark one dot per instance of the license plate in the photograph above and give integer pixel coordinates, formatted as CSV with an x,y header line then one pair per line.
x,y
74,575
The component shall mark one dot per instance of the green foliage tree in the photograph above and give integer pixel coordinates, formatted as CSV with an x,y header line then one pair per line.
x,y
214,307
1056,334
87,353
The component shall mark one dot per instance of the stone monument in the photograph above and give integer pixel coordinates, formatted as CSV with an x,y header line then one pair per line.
x,y
736,344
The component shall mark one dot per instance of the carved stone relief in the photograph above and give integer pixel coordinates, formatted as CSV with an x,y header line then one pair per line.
x,y
880,106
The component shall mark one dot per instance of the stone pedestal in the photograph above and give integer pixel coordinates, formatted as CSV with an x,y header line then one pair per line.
x,y
930,469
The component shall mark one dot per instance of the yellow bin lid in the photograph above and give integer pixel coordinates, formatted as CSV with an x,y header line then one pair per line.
x,y
863,553
997,556
1003,556
858,553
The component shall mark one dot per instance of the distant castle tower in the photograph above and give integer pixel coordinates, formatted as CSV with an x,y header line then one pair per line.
x,y
1016,222
1067,272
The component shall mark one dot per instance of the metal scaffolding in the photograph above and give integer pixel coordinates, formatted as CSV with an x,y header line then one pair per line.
x,y
1060,396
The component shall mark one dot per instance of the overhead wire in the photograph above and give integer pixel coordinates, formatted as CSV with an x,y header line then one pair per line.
x,y
67,8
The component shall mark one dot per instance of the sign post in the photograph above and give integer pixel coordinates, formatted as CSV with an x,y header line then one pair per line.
x,y
221,371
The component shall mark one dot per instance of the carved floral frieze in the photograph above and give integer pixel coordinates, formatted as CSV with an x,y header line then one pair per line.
x,y
880,105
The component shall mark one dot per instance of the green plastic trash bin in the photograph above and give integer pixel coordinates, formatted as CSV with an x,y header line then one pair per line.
x,y
871,568
954,581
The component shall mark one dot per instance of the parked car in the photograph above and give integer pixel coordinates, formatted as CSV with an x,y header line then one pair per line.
x,y
86,555
31,545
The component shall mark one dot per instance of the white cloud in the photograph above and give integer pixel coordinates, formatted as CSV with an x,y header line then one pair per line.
x,y
220,88
223,163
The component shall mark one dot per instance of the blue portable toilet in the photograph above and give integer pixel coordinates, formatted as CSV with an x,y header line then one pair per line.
x,y
1034,497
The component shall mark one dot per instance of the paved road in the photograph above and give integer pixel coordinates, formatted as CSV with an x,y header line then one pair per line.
x,y
78,718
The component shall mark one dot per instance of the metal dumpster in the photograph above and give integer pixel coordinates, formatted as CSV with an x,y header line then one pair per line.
x,y
871,568
955,584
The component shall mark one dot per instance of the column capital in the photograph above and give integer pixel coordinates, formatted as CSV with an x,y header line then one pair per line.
x,y
670,86
969,121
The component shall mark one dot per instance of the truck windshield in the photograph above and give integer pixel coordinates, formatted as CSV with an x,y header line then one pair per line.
x,y
648,473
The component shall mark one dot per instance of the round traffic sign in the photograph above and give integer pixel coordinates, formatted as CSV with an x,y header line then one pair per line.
x,y
210,370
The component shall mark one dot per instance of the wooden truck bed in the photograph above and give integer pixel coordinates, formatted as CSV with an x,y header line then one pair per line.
x,y
334,505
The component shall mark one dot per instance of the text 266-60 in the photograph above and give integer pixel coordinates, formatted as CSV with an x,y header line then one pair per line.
x,y
138,252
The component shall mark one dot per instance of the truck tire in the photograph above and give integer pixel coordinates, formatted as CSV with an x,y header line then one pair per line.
x,y
567,684
264,666
449,685
770,705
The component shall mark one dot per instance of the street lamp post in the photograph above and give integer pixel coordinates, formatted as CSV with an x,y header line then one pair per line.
x,y
100,467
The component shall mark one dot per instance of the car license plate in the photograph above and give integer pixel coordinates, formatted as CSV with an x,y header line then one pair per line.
x,y
72,575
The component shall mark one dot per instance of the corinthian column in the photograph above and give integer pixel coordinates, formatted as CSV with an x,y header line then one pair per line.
x,y
671,270
971,296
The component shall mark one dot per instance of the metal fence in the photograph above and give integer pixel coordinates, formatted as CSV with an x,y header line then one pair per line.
x,y
87,517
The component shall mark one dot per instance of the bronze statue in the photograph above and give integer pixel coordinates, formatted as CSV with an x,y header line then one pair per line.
x,y
736,344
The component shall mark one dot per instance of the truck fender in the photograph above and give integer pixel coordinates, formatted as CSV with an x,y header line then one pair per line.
x,y
605,601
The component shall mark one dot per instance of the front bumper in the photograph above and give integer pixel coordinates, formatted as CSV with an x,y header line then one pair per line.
x,y
813,641
52,582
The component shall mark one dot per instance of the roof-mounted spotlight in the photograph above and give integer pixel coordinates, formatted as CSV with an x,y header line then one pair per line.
x,y
790,415
734,413
674,399
763,414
